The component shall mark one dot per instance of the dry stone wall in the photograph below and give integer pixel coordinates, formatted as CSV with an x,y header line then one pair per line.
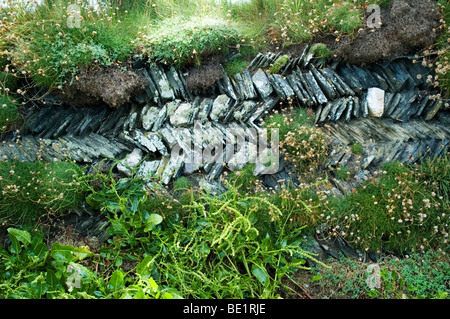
x,y
387,107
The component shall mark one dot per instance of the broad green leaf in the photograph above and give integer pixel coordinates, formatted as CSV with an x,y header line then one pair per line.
x,y
40,251
153,285
18,236
167,295
145,216
117,280
52,279
119,227
153,220
68,253
123,183
297,261
133,292
203,222
118,262
144,268
134,205
113,207
260,275
95,200
243,203
38,248
316,278
39,285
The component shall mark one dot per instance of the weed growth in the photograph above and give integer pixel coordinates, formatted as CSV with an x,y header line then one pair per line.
x,y
180,42
321,51
342,172
419,276
228,246
29,270
39,43
9,113
235,66
287,120
307,148
404,210
357,148
441,63
33,189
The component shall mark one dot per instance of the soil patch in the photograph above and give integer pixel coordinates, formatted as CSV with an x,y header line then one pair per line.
x,y
202,78
406,26
103,85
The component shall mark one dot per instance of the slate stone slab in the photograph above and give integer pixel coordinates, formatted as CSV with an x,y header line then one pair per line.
x,y
326,84
307,88
204,108
262,84
350,79
151,90
318,93
162,83
220,107
159,121
281,86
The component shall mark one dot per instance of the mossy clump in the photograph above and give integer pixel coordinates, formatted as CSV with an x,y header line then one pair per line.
x,y
235,66
279,64
33,189
39,43
244,179
342,172
321,51
357,148
182,184
182,42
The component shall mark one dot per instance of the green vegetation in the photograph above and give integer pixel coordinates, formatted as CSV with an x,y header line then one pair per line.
x,y
300,142
402,211
242,243
28,270
9,113
235,66
49,42
419,276
180,42
43,45
288,119
307,148
442,66
212,247
321,51
342,172
279,64
31,190
245,179
182,184
357,149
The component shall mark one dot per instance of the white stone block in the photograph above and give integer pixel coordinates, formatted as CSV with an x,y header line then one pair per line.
x,y
375,102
